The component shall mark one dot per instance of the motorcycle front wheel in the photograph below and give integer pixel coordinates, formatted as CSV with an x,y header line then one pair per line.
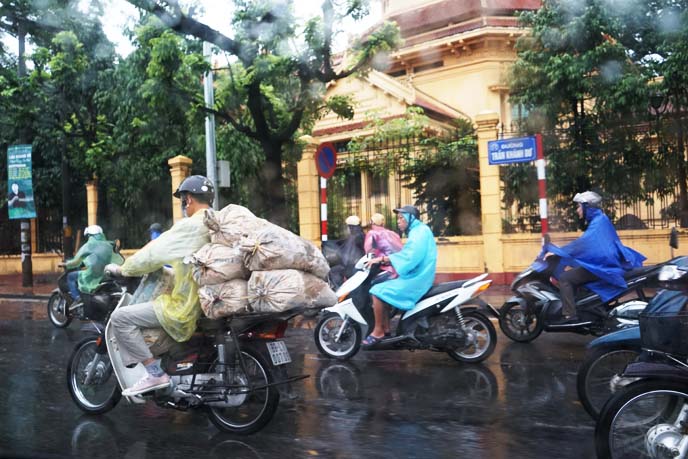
x,y
484,339
518,324
595,375
58,311
90,378
251,400
642,421
326,332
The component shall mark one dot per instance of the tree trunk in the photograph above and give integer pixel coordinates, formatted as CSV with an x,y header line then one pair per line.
x,y
271,186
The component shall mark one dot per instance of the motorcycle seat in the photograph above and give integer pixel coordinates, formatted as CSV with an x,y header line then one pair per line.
x,y
443,287
637,272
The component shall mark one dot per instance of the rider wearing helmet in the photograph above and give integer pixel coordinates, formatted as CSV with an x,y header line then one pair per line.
x,y
175,312
94,255
415,265
597,257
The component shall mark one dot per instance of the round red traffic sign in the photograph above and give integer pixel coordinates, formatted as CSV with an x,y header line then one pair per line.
x,y
326,159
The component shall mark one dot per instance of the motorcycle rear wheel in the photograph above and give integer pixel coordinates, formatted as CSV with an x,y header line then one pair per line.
x,y
627,418
595,375
260,398
517,324
58,312
102,393
325,333
486,339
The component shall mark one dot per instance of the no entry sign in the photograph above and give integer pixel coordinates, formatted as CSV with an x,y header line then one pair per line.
x,y
326,159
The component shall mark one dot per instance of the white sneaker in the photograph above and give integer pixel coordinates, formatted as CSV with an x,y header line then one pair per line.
x,y
147,384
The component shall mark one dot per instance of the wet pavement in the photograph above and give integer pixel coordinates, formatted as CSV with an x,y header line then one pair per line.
x,y
521,403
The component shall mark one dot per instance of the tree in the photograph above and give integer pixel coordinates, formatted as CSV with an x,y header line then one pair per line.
x,y
277,73
585,75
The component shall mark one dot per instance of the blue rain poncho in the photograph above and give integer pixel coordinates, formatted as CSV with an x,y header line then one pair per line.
x,y
599,250
415,264
177,311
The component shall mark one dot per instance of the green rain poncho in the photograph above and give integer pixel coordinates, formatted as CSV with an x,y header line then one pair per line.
x,y
95,254
178,311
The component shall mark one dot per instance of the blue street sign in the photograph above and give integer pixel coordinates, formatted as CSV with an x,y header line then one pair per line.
x,y
507,151
326,159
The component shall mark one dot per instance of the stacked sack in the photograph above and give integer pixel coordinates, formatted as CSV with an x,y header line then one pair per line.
x,y
252,265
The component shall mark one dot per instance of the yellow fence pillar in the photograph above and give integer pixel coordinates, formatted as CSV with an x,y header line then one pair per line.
x,y
92,201
309,192
180,168
490,195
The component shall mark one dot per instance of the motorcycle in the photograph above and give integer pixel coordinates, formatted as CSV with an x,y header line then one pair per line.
x,y
648,415
62,308
537,307
449,318
230,367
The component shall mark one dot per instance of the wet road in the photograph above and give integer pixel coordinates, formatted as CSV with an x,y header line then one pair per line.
x,y
521,403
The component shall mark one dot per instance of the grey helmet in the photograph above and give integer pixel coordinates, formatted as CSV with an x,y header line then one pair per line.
x,y
197,185
589,198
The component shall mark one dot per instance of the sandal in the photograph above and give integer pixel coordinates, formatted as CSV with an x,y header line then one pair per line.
x,y
371,340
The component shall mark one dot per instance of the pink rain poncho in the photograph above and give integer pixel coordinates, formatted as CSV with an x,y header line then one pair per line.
x,y
382,242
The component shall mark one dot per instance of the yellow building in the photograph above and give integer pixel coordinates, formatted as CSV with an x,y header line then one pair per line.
x,y
453,63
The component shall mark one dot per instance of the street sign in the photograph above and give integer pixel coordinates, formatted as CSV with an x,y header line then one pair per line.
x,y
326,159
20,202
507,151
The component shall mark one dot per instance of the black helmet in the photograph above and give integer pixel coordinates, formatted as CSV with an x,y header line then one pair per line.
x,y
197,185
409,210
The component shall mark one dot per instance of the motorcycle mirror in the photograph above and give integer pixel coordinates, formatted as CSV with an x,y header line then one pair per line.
x,y
673,238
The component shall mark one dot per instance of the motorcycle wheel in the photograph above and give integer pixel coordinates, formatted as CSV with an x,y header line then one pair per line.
x,y
596,373
486,339
325,334
635,420
258,405
57,311
102,393
517,324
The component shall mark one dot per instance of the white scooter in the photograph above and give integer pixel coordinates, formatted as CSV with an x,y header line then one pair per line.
x,y
449,318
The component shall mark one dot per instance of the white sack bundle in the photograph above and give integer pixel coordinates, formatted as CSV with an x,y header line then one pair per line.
x,y
223,300
217,263
284,289
273,247
228,225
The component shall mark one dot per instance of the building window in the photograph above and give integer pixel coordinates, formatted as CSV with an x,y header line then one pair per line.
x,y
378,185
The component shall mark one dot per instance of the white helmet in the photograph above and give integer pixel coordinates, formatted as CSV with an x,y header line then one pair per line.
x,y
588,197
353,220
93,229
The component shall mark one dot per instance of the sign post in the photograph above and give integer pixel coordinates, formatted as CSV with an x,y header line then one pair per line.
x,y
325,163
20,202
521,150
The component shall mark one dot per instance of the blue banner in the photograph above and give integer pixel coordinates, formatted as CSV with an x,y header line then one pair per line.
x,y
20,203
507,151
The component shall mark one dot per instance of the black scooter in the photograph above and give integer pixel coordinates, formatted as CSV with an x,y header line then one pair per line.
x,y
537,306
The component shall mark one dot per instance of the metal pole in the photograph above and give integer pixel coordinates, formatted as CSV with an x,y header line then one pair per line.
x,y
323,209
25,225
210,152
542,188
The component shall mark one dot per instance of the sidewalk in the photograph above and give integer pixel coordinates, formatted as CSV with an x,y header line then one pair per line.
x,y
43,284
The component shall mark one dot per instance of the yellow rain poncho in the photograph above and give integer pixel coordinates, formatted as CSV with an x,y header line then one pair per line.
x,y
177,312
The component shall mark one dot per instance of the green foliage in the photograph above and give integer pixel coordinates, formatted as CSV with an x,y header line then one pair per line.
x,y
586,76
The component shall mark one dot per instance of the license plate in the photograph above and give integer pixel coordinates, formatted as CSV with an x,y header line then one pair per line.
x,y
278,352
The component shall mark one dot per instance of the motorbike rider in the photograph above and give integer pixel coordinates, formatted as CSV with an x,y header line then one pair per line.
x,y
381,241
350,251
175,312
597,258
95,254
415,265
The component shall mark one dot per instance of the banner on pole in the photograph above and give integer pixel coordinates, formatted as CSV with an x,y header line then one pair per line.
x,y
20,203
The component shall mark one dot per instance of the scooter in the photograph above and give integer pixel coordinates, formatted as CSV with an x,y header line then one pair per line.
x,y
537,307
449,318
648,414
230,367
